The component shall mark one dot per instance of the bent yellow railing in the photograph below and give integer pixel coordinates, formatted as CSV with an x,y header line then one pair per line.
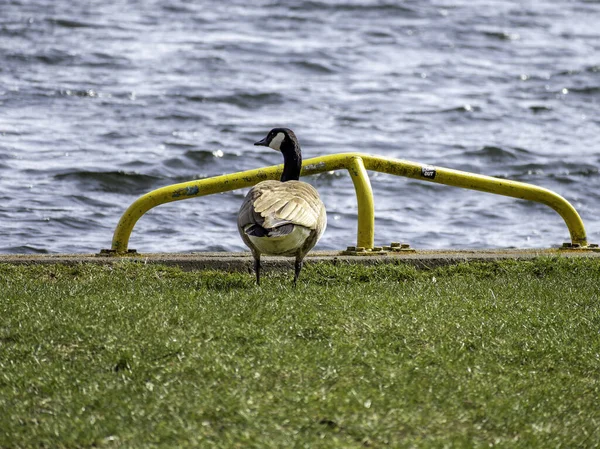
x,y
357,165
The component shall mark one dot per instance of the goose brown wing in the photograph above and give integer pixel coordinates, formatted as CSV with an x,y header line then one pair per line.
x,y
274,203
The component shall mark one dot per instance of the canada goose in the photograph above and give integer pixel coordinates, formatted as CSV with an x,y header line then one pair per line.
x,y
286,217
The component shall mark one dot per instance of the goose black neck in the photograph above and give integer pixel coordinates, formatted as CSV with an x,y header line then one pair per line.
x,y
292,164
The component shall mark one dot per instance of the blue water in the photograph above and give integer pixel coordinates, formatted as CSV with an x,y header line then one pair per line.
x,y
102,101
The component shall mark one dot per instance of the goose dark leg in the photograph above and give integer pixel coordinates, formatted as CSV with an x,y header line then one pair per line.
x,y
257,268
297,269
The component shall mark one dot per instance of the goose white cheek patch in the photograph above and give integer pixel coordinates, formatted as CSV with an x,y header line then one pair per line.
x,y
276,141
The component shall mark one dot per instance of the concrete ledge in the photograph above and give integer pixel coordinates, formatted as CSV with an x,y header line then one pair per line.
x,y
243,261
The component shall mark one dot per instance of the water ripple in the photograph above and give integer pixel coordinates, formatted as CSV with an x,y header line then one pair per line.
x,y
114,182
103,101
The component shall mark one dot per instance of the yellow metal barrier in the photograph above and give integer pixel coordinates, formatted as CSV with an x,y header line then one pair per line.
x,y
357,164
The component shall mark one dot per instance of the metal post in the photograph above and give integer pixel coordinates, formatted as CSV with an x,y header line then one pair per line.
x,y
365,235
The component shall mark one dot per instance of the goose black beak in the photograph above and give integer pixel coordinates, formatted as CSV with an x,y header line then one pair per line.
x,y
262,142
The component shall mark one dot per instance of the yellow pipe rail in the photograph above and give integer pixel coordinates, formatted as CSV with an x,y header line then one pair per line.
x,y
365,234
357,164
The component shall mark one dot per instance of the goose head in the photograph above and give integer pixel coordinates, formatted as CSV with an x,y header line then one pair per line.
x,y
285,141
280,139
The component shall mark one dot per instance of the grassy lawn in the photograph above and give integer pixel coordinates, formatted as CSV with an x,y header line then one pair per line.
x,y
497,354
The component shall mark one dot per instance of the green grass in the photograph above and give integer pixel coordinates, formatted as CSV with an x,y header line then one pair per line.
x,y
500,354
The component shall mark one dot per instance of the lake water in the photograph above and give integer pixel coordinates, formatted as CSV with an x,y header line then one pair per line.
x,y
102,101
